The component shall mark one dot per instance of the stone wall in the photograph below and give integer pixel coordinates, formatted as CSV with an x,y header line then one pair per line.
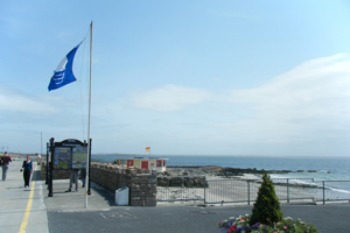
x,y
142,186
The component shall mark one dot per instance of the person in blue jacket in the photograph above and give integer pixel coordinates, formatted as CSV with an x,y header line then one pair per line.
x,y
27,169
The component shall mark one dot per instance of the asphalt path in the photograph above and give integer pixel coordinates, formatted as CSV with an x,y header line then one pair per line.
x,y
175,219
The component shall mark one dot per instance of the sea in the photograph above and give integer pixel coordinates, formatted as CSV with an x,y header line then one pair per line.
x,y
312,170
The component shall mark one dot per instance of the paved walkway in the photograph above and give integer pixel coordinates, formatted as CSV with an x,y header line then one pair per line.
x,y
25,210
32,211
21,210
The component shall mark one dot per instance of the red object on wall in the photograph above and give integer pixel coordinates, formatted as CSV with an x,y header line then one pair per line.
x,y
130,163
144,165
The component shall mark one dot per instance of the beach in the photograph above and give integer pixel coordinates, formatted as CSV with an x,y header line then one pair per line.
x,y
235,189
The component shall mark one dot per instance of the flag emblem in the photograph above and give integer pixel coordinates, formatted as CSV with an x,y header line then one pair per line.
x,y
63,74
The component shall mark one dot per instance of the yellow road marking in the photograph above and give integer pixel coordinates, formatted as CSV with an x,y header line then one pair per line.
x,y
24,223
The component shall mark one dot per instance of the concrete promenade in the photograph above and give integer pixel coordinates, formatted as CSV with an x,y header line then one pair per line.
x,y
32,211
21,210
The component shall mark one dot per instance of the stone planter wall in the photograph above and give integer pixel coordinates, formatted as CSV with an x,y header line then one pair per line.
x,y
142,187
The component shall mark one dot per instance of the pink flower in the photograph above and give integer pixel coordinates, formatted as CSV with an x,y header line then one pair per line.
x,y
285,227
231,229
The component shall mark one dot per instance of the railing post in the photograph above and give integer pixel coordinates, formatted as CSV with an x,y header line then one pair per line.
x,y
248,190
182,193
168,190
287,190
323,192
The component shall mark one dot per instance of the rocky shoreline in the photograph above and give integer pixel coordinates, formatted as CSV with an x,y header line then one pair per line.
x,y
197,176
223,171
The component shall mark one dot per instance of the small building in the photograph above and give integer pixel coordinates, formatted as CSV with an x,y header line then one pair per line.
x,y
145,163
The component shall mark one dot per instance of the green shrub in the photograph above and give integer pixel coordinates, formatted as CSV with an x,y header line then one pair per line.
x,y
267,209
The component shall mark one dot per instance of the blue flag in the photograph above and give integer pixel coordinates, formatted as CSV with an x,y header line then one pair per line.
x,y
63,74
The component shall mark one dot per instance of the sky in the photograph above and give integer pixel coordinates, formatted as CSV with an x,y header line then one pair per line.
x,y
183,77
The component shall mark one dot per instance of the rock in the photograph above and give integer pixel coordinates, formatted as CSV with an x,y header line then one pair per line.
x,y
176,181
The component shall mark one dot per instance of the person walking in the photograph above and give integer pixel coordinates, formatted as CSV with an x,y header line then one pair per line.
x,y
73,179
83,176
27,169
5,161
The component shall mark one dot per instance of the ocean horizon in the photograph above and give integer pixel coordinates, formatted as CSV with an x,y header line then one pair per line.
x,y
250,161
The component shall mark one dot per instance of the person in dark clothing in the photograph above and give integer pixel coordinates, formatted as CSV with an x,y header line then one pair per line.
x,y
83,176
27,169
73,179
5,160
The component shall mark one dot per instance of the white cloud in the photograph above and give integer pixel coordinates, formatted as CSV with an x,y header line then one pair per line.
x,y
309,102
16,102
169,98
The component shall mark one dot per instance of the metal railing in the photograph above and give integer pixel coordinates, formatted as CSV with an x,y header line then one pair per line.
x,y
180,194
239,191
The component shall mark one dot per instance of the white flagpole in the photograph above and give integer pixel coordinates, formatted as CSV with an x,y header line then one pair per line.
x,y
88,130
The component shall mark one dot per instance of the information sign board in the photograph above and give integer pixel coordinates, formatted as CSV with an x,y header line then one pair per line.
x,y
62,158
70,154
